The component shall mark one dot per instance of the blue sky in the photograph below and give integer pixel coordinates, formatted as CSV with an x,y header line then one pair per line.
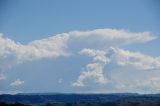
x,y
127,28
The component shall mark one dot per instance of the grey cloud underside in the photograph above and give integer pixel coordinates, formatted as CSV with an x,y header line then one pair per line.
x,y
102,45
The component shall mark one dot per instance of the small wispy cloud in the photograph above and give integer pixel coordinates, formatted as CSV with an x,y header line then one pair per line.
x,y
17,82
11,92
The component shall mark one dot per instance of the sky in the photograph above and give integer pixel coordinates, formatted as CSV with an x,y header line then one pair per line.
x,y
79,46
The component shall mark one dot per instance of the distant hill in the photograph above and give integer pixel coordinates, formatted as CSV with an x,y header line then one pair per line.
x,y
59,99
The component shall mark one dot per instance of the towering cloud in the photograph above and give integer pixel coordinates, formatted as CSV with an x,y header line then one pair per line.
x,y
102,45
93,71
60,44
132,71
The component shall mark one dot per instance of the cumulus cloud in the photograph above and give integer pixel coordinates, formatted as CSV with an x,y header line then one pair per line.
x,y
63,44
49,47
134,71
124,62
12,53
17,82
102,45
93,71
134,59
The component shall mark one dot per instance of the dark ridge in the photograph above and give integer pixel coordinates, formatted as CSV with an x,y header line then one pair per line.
x,y
61,99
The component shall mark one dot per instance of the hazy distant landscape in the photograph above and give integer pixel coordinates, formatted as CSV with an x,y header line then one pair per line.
x,y
51,99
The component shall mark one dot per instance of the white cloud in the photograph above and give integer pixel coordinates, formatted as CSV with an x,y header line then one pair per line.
x,y
134,59
97,55
62,44
93,71
132,71
49,47
120,36
17,82
97,41
12,53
